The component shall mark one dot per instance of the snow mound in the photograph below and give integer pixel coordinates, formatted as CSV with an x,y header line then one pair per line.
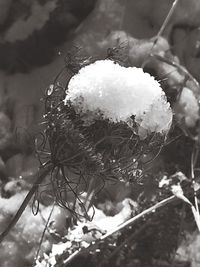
x,y
188,107
116,92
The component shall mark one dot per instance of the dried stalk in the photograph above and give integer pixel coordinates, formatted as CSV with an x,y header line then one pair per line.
x,y
194,157
41,176
129,222
169,15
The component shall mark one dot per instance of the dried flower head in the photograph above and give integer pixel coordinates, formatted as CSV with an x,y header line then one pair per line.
x,y
100,127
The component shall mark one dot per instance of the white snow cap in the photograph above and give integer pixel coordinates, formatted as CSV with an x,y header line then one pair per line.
x,y
118,93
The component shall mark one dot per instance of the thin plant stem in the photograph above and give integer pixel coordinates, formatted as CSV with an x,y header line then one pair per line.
x,y
169,15
41,176
129,222
163,27
194,156
152,209
44,231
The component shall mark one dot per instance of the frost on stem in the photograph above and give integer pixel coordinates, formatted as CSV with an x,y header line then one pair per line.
x,y
104,89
